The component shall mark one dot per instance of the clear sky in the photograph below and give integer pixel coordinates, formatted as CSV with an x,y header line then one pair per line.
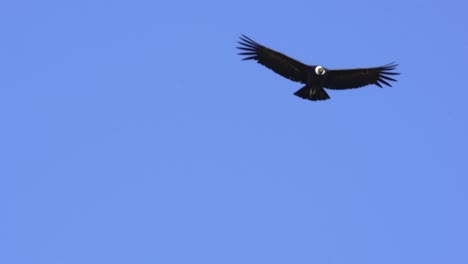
x,y
132,132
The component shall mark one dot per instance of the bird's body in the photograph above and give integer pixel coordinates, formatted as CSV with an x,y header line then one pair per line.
x,y
313,89
315,77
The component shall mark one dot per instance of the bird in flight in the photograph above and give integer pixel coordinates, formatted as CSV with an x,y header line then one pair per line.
x,y
315,77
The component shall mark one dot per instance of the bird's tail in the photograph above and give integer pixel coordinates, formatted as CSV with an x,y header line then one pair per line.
x,y
312,94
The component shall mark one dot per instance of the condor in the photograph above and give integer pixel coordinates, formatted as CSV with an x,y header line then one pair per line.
x,y
315,77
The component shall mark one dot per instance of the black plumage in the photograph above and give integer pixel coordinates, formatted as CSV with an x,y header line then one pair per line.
x,y
315,77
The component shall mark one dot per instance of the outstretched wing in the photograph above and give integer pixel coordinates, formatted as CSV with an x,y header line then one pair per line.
x,y
279,63
355,78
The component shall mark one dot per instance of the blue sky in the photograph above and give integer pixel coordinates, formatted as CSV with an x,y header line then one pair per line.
x,y
132,132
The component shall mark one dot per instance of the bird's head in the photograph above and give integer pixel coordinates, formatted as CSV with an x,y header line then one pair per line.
x,y
319,70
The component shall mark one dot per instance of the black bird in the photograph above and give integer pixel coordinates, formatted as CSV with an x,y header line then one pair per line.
x,y
315,77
